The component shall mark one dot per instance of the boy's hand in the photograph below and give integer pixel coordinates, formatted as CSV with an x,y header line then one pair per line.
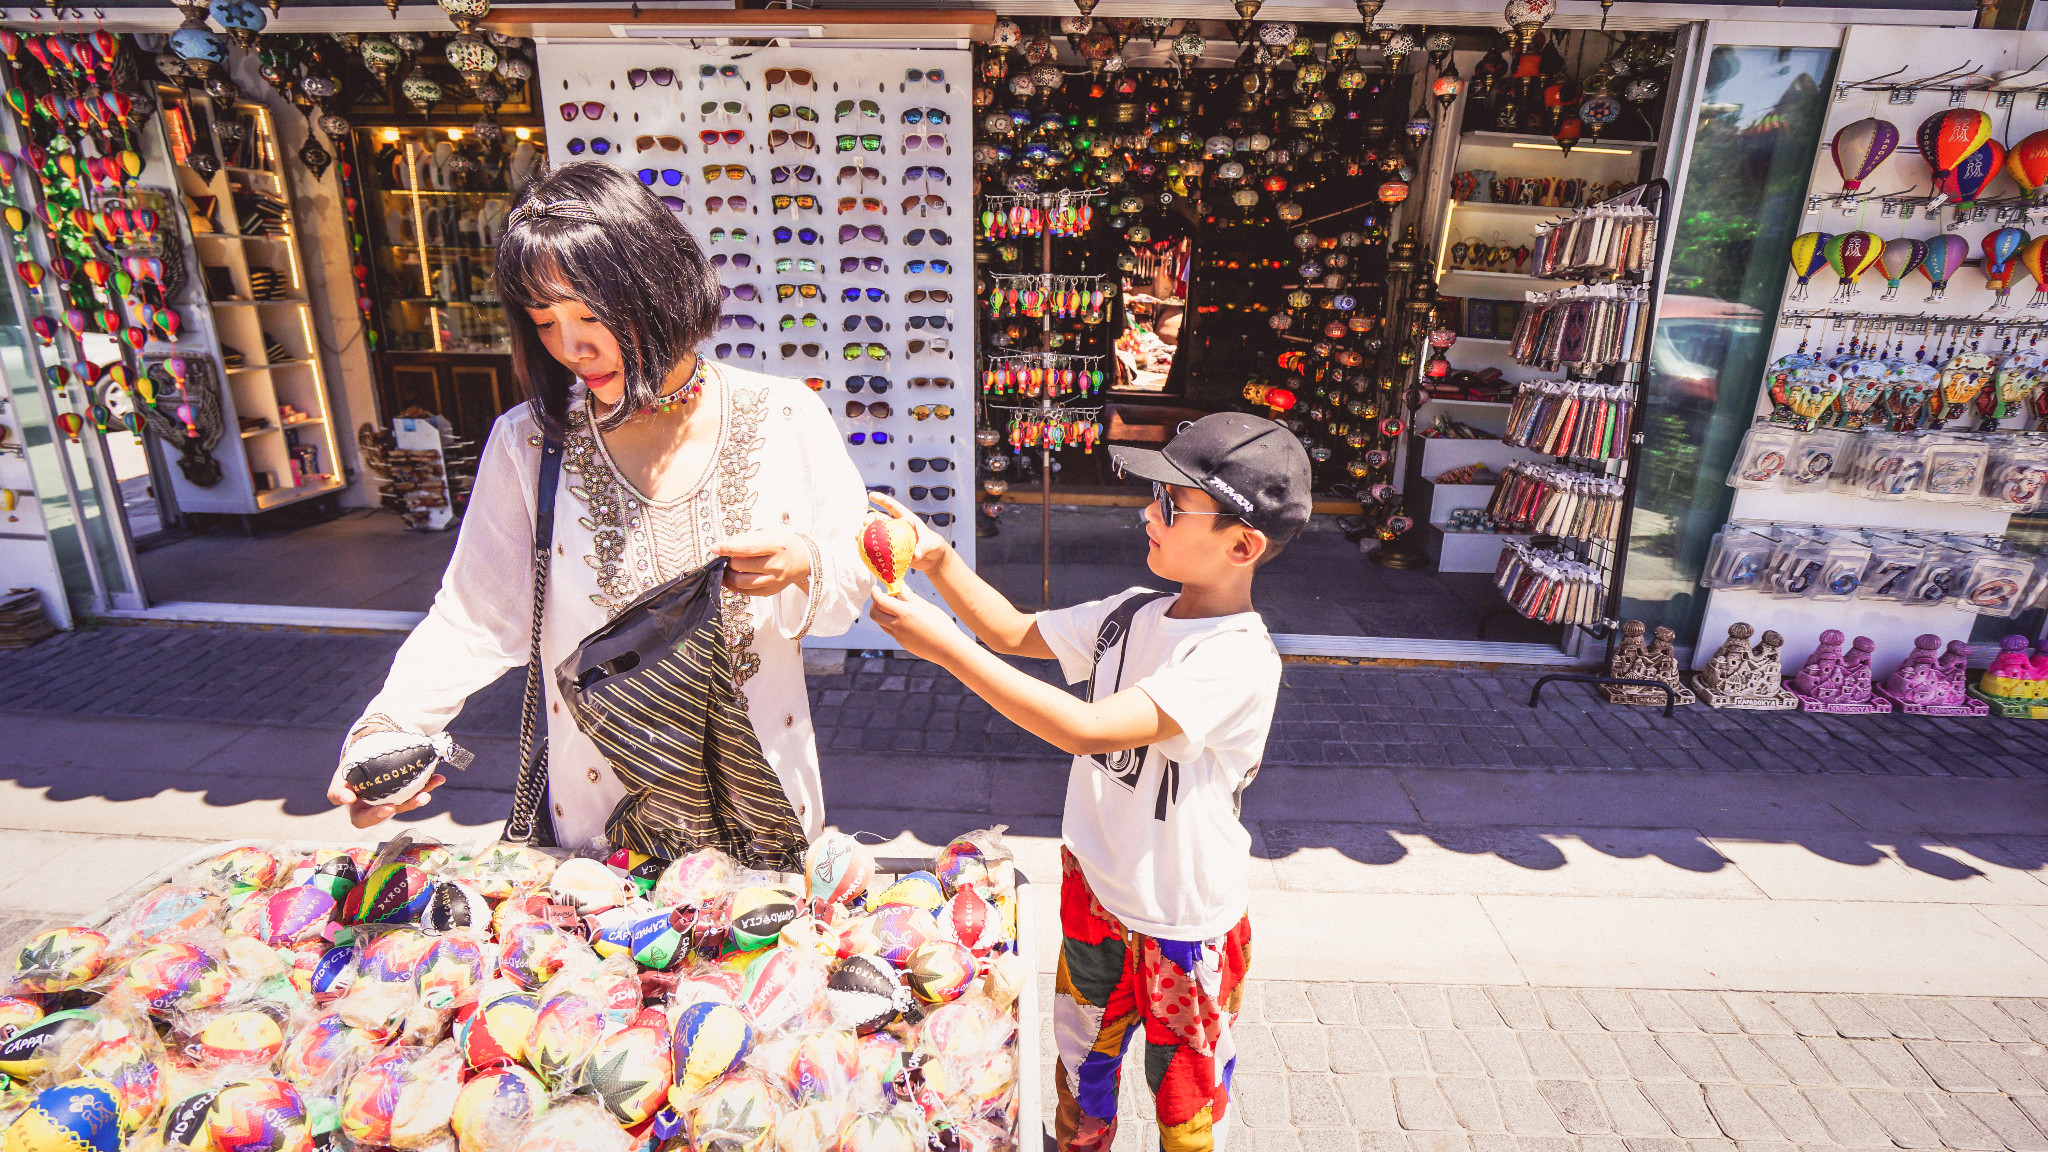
x,y
915,623
931,548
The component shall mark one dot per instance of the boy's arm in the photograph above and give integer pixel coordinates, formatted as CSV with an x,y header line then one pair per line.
x,y
986,612
1128,719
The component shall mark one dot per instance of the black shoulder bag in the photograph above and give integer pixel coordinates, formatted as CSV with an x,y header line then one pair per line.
x,y
530,822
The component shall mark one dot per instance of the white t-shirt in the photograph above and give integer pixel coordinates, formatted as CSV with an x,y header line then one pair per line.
x,y
1158,838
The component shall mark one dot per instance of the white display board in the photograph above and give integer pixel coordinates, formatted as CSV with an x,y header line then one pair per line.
x,y
1900,56
923,250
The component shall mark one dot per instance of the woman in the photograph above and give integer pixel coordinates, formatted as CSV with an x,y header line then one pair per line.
x,y
668,462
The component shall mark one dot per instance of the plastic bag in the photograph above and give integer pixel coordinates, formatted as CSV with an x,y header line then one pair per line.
x,y
1996,586
576,1125
404,1097
495,1111
1812,462
1765,452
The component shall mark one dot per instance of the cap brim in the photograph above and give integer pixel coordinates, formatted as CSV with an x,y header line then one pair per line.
x,y
1149,464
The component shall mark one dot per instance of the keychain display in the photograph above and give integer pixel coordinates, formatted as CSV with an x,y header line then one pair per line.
x,y
1995,585
1056,428
1585,326
1606,240
1765,452
1550,586
1982,575
1028,217
2016,475
1064,297
1576,418
1533,497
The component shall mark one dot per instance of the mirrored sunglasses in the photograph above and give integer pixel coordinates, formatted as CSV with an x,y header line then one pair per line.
x,y
804,202
801,112
929,411
737,236
939,267
808,320
846,108
871,141
797,263
864,203
728,171
865,437
849,295
871,351
785,291
925,116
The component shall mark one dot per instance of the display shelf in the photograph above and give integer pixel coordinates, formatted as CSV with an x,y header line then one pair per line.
x,y
1471,551
1540,211
1483,137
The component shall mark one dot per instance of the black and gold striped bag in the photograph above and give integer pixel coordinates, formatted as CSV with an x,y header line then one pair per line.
x,y
652,689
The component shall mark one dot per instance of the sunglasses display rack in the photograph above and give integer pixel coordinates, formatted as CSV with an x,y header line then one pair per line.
x,y
1579,507
833,191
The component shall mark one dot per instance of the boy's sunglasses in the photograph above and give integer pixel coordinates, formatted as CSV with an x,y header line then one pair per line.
x,y
803,235
598,144
737,260
662,76
872,142
863,437
935,463
877,384
1167,511
925,115
785,291
857,263
729,171
746,292
797,263
591,109
937,267
853,323
666,143
849,295
853,170
726,351
668,176
917,235
847,232
802,112
846,108
855,350
719,203
797,76
711,107
777,137
730,136
802,173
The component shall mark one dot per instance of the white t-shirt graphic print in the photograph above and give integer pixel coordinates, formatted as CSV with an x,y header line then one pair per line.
x,y
1181,877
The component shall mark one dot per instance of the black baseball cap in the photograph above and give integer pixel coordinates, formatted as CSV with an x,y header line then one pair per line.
x,y
1249,465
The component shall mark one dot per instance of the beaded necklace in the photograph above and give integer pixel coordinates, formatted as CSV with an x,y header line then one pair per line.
x,y
691,389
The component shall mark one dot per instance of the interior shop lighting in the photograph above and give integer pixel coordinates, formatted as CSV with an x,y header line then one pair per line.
x,y
523,133
1576,148
390,135
455,133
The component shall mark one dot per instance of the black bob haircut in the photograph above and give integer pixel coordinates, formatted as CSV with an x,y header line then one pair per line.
x,y
638,270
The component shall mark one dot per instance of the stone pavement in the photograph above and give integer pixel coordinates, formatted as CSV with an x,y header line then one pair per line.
x,y
1370,716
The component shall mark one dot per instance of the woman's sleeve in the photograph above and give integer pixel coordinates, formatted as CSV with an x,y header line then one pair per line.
x,y
832,503
481,623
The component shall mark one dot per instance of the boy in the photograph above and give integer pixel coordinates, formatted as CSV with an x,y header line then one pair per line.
x,y
1180,697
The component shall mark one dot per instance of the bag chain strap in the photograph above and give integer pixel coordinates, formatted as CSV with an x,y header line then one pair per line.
x,y
533,774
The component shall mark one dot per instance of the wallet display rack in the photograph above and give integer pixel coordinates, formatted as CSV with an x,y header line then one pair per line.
x,y
1609,255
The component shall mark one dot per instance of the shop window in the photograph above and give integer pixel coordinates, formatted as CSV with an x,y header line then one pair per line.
x,y
1759,121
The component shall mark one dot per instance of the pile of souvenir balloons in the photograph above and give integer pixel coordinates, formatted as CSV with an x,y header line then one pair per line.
x,y
503,1000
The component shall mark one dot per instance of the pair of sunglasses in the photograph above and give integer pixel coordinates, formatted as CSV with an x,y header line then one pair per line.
x,y
933,143
847,232
711,137
849,295
803,235
746,292
857,263
737,260
726,351
777,137
789,350
724,71
741,320
785,291
938,267
931,382
927,202
925,116
935,295
802,112
808,320
666,143
877,384
846,108
720,236
871,141
864,203
926,172
940,345
668,176
924,76
797,76
935,463
591,110
863,437
935,323
932,411
711,108
920,492
728,171
853,170
662,76
937,519
817,383
884,489
853,323
675,204
855,350
917,236
797,263
804,202
802,174
597,144
879,409
719,203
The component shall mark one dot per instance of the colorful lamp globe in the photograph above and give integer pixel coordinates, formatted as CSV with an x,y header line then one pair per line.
x,y
240,19
466,14
1446,88
380,56
422,92
515,69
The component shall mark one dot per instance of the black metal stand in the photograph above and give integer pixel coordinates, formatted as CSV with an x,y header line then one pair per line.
x,y
1670,697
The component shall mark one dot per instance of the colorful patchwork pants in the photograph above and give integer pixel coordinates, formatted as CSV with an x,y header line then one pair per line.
x,y
1186,995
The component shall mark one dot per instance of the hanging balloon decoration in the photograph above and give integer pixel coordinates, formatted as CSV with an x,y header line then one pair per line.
x,y
2027,162
1859,149
1809,256
1944,257
1851,255
2000,246
1946,138
1971,174
1897,261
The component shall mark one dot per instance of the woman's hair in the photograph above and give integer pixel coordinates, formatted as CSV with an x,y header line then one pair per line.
x,y
590,232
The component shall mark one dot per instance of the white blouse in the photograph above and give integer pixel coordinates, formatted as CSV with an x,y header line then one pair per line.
x,y
781,465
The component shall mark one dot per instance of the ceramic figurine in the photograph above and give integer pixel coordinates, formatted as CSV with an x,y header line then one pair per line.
x,y
1930,682
1739,676
1835,681
2016,684
1633,661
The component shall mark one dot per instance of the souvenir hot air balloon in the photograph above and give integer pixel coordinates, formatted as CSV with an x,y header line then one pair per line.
x,y
70,422
31,275
1945,138
1859,148
1999,248
2033,256
1971,174
2028,163
60,379
1897,261
1851,254
1945,254
1809,255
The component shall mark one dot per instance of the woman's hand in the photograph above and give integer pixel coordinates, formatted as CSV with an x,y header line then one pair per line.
x,y
931,549
764,563
364,815
917,624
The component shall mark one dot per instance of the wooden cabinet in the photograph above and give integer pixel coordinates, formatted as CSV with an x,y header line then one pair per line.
x,y
470,390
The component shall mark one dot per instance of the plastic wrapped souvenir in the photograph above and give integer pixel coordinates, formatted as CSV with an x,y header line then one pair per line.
x,y
238,1039
972,920
80,1115
533,952
495,1111
167,912
392,893
759,915
630,1071
577,1125
940,970
59,959
247,868
494,1035
265,1114
813,1126
1766,450
403,1097
323,1046
565,1029
736,1114
695,879
126,1053
900,928
917,890
865,993
293,915
587,885
178,977
384,988
710,1040
505,869
893,1131
30,1051
837,869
